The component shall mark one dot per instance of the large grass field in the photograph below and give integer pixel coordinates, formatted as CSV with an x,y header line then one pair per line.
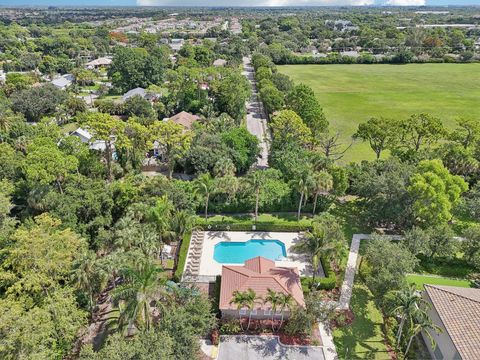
x,y
351,94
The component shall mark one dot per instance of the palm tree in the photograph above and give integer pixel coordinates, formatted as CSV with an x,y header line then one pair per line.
x,y
245,299
323,184
286,303
6,122
325,238
409,301
142,284
304,184
256,180
87,275
160,216
422,322
273,298
205,185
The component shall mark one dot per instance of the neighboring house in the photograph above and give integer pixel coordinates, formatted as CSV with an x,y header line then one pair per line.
x,y
456,311
147,95
258,274
185,119
63,82
86,137
177,44
134,92
220,63
97,63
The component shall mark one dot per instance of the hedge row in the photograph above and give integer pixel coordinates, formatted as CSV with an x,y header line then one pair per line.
x,y
329,282
219,226
182,255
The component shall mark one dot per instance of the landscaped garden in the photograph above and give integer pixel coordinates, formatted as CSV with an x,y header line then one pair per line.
x,y
364,337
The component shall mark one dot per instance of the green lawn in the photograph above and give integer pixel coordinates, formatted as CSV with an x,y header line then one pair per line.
x,y
351,94
363,339
419,280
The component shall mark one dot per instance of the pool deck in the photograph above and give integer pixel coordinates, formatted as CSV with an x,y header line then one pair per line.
x,y
209,268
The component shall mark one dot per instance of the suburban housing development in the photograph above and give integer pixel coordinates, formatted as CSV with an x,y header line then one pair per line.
x,y
231,183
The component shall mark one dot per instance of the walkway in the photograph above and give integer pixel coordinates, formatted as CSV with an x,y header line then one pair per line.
x,y
256,118
243,347
351,269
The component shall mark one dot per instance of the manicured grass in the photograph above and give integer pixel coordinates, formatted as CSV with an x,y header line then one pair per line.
x,y
276,218
363,339
419,280
265,222
351,94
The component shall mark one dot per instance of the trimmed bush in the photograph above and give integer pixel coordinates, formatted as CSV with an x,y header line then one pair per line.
x,y
182,256
329,282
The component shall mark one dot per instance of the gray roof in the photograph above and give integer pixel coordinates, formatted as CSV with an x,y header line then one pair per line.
x,y
63,81
134,92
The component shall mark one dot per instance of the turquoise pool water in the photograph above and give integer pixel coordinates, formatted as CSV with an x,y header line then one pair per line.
x,y
237,252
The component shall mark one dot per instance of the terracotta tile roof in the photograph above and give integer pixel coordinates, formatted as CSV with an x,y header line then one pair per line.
x,y
259,274
185,119
459,310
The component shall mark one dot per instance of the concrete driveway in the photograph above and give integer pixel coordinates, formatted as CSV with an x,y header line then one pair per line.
x,y
240,347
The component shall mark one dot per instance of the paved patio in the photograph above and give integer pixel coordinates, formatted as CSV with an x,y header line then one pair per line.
x,y
241,347
211,268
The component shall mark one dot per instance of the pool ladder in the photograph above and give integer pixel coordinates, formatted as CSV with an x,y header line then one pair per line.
x,y
194,256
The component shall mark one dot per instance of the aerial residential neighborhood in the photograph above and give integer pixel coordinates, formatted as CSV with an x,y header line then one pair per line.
x,y
239,180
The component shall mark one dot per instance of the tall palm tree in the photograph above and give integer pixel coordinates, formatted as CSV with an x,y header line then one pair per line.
x,y
422,322
159,216
409,303
6,122
303,185
141,287
205,185
272,298
87,275
256,180
322,185
285,303
324,238
245,299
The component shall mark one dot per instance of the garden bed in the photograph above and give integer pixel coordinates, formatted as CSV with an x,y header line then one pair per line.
x,y
264,328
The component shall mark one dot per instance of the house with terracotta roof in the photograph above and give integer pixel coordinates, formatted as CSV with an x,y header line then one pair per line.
x,y
456,311
258,274
185,119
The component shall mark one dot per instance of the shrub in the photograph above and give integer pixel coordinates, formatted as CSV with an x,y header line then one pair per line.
x,y
300,322
182,256
329,282
230,327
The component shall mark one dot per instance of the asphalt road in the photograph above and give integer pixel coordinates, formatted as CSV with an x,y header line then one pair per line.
x,y
256,118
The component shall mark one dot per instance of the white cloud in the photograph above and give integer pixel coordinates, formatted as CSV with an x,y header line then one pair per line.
x,y
406,2
255,2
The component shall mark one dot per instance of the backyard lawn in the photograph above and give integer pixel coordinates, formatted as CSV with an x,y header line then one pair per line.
x,y
351,94
363,339
419,280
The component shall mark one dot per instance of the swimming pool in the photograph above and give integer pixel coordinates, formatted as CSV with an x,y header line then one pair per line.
x,y
238,252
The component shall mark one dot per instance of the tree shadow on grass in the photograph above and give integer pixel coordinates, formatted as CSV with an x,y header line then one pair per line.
x,y
363,331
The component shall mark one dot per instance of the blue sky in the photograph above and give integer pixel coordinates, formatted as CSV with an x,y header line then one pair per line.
x,y
234,2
